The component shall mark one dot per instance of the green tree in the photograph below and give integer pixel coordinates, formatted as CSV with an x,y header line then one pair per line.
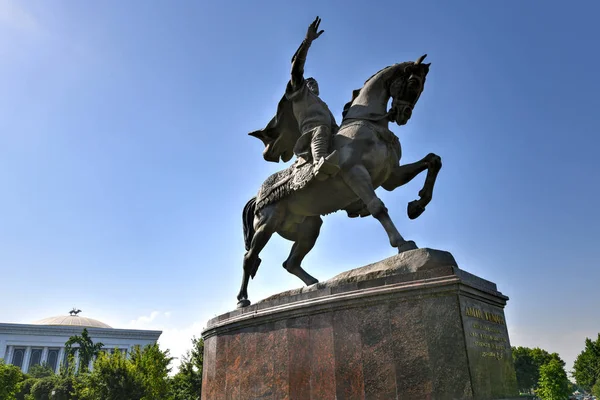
x,y
586,369
527,364
42,388
35,374
40,371
144,376
88,350
541,357
41,381
24,388
553,383
187,383
113,378
525,368
64,388
10,377
153,367
67,368
596,388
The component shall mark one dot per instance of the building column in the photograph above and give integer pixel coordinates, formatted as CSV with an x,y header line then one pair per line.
x,y
44,356
2,350
8,355
26,359
77,360
61,357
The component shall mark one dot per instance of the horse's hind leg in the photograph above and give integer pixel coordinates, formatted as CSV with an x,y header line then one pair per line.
x,y
265,225
305,238
359,180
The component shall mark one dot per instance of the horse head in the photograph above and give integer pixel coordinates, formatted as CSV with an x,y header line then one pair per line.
x,y
405,90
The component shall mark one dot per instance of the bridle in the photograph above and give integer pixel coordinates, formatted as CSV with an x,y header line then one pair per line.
x,y
398,94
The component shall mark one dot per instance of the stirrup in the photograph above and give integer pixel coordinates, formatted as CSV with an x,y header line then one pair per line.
x,y
327,166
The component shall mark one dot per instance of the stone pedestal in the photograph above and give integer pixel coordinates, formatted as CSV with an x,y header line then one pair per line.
x,y
413,326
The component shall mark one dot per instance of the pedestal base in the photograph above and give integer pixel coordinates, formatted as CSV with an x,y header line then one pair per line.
x,y
413,326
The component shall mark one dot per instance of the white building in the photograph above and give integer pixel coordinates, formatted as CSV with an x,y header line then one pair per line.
x,y
43,341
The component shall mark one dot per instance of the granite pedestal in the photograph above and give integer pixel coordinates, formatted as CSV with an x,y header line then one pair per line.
x,y
413,326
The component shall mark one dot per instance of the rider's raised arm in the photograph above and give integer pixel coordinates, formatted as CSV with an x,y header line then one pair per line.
x,y
298,64
299,57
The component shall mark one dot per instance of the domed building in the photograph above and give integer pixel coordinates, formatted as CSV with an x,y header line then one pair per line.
x,y
43,341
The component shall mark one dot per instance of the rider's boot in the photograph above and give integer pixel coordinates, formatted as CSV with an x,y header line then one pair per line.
x,y
325,165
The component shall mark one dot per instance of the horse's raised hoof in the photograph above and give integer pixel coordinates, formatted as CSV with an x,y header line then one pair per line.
x,y
243,303
414,209
408,245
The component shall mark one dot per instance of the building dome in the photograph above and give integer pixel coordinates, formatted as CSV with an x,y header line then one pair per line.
x,y
72,320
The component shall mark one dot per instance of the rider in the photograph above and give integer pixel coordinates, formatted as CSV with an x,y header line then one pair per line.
x,y
316,123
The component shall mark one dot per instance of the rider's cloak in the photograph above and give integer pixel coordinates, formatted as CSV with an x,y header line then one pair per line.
x,y
281,133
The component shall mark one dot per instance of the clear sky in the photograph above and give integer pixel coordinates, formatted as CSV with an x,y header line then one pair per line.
x,y
125,161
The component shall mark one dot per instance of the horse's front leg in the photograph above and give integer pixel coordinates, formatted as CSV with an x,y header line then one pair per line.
x,y
359,180
403,174
416,207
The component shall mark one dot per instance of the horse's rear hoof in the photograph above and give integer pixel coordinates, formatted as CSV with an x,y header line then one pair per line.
x,y
408,245
243,303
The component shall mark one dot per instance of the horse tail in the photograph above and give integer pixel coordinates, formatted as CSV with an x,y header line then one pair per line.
x,y
248,222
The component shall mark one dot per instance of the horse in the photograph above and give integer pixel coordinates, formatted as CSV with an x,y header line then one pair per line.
x,y
369,157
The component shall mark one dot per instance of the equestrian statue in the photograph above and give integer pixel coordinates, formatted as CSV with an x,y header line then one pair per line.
x,y
336,168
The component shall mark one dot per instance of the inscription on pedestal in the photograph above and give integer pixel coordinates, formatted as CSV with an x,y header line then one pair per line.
x,y
488,348
491,339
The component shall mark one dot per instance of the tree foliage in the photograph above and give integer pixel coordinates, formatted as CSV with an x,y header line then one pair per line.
x,y
526,370
113,378
553,383
38,383
24,388
541,357
187,383
596,388
10,377
42,388
153,367
88,350
67,369
40,371
64,388
586,369
527,364
144,376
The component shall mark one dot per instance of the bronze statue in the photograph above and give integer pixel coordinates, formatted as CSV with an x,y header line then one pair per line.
x,y
364,151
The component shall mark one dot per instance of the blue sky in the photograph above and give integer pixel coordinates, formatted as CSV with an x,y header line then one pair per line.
x,y
125,161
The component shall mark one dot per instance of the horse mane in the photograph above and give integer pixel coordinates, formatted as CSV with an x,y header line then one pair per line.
x,y
347,106
356,92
